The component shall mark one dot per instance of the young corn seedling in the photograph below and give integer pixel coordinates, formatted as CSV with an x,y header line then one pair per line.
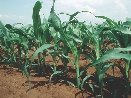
x,y
9,40
55,30
71,34
71,39
101,70
115,54
123,35
39,33
95,36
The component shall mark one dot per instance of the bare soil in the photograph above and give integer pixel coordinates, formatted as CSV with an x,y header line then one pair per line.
x,y
14,85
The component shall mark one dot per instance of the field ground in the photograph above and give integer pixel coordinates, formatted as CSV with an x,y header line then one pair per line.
x,y
14,85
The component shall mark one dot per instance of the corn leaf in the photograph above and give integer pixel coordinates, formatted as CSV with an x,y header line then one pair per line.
x,y
111,54
70,83
103,71
110,22
84,80
2,27
53,19
41,49
55,73
73,15
36,18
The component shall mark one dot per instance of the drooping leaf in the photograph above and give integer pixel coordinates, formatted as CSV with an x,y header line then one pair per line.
x,y
111,54
84,80
110,22
117,50
73,15
103,71
124,30
70,83
55,73
40,49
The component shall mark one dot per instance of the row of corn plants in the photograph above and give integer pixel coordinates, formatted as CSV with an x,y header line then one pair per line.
x,y
46,36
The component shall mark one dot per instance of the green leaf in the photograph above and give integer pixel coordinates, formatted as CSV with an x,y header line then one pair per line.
x,y
103,71
44,25
84,69
25,44
53,19
123,36
124,30
88,56
2,27
76,38
18,31
110,22
8,26
111,54
117,50
73,15
84,80
92,87
55,73
40,49
70,43
48,65
114,54
70,83
26,73
127,23
36,18
69,58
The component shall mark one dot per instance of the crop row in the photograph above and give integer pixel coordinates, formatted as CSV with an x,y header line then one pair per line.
x,y
99,44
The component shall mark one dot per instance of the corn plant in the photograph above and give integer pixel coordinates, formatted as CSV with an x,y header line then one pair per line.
x,y
101,69
37,27
54,31
123,36
96,37
72,35
40,33
11,37
75,37
114,54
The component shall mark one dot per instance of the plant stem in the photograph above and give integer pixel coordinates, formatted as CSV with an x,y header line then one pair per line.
x,y
77,70
127,78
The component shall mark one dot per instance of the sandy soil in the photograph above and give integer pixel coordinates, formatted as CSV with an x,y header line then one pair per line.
x,y
14,85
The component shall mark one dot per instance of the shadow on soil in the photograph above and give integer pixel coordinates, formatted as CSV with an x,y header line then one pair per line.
x,y
113,86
